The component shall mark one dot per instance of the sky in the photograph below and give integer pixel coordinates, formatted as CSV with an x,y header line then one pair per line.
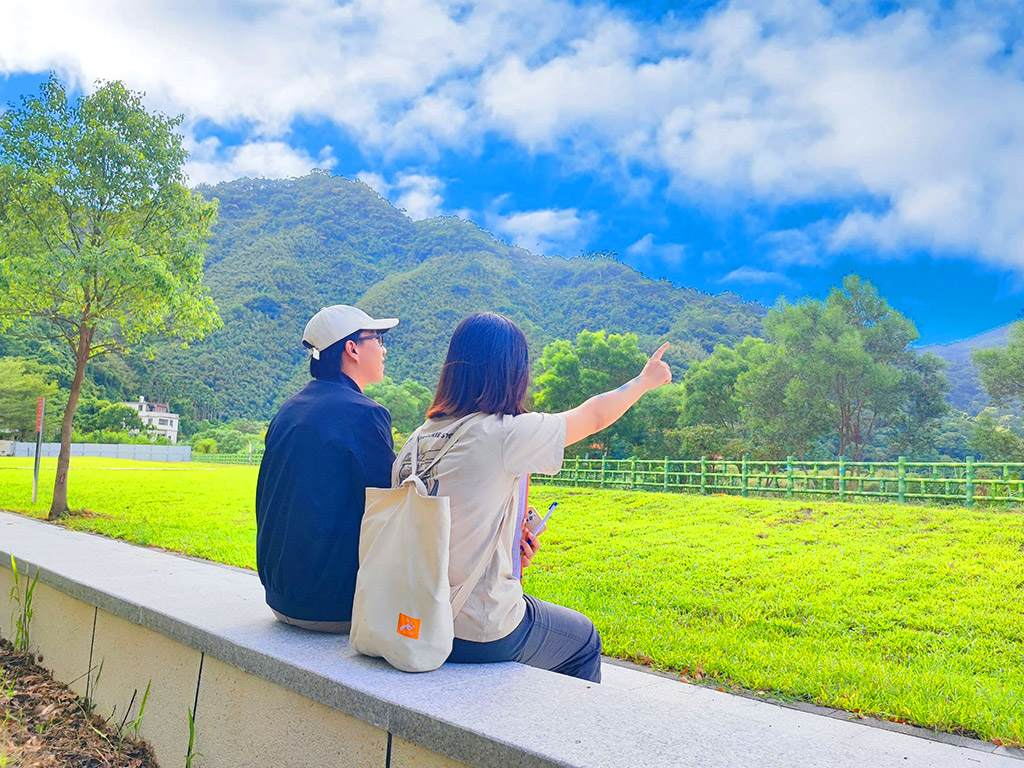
x,y
763,148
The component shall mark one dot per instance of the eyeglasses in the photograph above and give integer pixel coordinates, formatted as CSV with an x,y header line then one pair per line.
x,y
373,335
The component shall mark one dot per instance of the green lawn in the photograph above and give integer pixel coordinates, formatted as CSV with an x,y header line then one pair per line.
x,y
906,612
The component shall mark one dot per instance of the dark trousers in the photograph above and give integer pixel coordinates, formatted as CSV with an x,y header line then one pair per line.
x,y
549,637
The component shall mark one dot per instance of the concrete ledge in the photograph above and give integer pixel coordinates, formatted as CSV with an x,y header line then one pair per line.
x,y
126,603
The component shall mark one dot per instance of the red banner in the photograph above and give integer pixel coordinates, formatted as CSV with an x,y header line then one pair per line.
x,y
39,414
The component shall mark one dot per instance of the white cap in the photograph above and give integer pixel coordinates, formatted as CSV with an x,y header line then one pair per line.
x,y
334,323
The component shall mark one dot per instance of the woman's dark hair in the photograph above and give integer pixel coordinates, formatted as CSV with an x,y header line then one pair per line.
x,y
487,369
328,367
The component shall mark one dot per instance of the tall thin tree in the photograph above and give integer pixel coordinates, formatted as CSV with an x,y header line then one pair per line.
x,y
99,235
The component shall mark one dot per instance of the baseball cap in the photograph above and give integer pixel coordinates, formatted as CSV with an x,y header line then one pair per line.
x,y
334,323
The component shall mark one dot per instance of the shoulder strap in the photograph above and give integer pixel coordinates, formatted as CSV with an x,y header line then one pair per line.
x,y
464,425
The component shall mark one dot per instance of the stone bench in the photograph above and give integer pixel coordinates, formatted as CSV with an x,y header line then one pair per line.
x,y
264,694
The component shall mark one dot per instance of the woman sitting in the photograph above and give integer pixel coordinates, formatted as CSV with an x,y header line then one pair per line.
x,y
482,387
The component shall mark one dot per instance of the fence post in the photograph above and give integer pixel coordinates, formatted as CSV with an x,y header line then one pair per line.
x,y
632,473
842,478
703,475
901,479
664,485
789,477
743,473
969,487
604,459
576,472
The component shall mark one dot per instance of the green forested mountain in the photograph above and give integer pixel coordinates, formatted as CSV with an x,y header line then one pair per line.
x,y
282,249
965,390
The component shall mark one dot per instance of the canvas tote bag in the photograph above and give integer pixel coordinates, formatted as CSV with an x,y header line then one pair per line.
x,y
403,609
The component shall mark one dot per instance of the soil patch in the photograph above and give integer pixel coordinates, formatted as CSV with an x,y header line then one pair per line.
x,y
46,724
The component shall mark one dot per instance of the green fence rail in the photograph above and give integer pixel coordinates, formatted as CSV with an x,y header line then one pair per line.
x,y
956,482
968,482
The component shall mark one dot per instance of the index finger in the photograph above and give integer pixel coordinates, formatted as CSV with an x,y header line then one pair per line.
x,y
661,351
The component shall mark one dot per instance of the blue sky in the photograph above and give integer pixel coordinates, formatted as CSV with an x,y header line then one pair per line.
x,y
764,148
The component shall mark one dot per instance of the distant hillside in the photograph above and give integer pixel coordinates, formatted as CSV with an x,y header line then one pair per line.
x,y
282,249
966,392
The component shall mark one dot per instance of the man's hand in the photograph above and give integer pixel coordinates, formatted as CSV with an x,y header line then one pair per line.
x,y
529,545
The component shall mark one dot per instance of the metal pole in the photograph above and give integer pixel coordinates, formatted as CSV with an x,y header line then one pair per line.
x,y
40,415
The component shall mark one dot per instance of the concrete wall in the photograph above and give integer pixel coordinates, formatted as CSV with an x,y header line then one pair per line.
x,y
111,451
240,719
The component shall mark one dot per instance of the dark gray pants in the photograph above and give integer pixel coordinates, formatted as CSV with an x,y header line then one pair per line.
x,y
549,637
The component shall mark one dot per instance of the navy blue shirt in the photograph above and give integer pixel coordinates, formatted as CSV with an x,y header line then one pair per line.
x,y
325,446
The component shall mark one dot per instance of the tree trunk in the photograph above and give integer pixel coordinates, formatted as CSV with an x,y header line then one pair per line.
x,y
59,506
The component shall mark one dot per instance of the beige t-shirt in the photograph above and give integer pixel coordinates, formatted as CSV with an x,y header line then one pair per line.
x,y
480,475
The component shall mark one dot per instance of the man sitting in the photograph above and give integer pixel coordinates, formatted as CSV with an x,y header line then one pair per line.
x,y
324,447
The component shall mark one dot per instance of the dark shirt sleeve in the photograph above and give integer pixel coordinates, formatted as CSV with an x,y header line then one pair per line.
x,y
376,450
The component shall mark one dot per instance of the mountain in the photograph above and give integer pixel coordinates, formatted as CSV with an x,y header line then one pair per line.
x,y
281,249
966,392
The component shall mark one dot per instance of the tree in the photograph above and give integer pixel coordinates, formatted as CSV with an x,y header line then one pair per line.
x,y
656,417
710,385
117,417
406,402
914,429
996,438
567,374
99,235
1001,370
782,411
844,361
22,383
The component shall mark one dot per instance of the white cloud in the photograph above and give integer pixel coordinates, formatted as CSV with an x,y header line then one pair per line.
x,y
376,182
210,162
418,194
799,247
912,122
645,253
643,246
748,274
548,230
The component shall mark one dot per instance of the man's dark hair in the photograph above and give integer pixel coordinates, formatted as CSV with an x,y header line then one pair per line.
x,y
328,367
487,369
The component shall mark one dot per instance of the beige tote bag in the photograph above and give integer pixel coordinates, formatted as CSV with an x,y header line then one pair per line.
x,y
403,610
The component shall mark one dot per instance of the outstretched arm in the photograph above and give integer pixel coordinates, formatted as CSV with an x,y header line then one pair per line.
x,y
602,411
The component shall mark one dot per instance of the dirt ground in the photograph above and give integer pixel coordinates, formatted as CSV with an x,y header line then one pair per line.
x,y
46,724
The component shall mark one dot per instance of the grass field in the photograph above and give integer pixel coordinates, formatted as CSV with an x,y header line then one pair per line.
x,y
906,612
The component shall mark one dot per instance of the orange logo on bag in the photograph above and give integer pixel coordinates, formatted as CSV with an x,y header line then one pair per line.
x,y
408,626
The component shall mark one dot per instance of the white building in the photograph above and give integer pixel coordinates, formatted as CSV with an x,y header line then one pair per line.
x,y
157,418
